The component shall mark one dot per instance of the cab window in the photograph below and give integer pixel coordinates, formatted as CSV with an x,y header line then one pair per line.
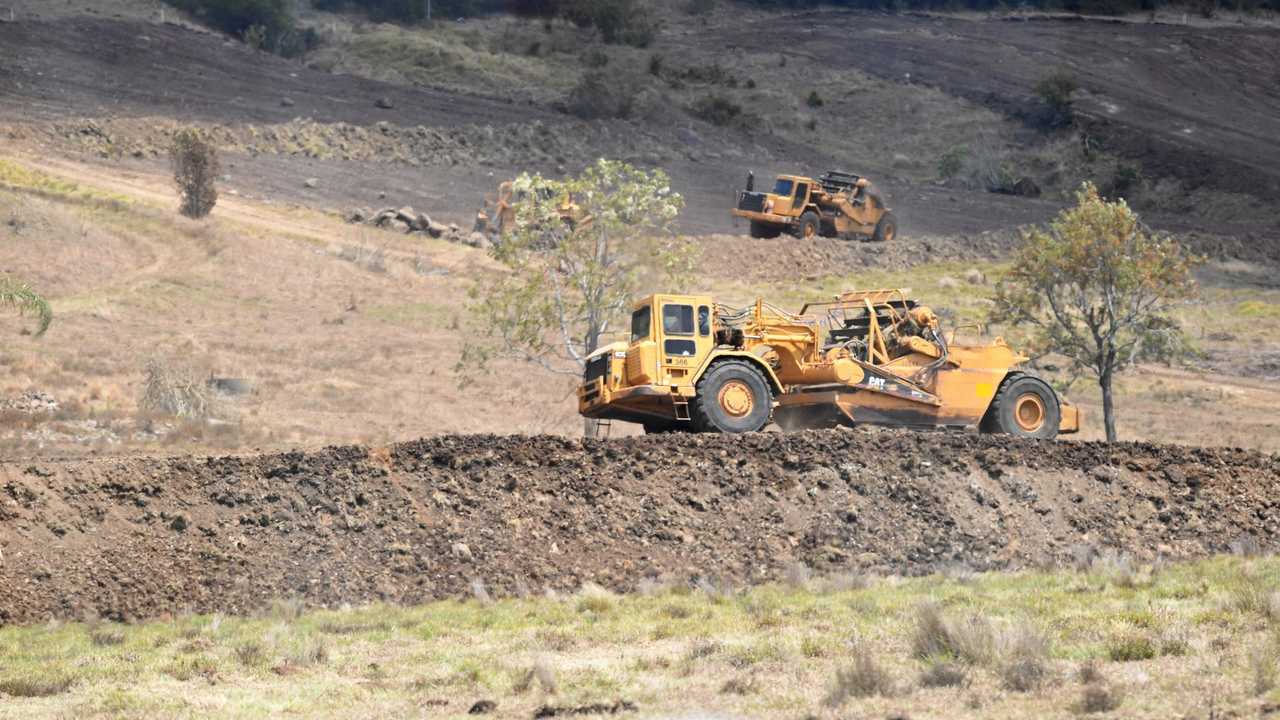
x,y
783,187
677,319
640,324
802,193
704,320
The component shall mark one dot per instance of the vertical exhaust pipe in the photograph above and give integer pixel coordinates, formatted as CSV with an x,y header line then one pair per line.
x,y
751,181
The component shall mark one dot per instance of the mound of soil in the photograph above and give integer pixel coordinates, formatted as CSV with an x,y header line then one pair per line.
x,y
134,538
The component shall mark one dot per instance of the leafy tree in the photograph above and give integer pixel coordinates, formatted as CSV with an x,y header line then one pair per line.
x,y
21,297
580,251
195,166
1097,286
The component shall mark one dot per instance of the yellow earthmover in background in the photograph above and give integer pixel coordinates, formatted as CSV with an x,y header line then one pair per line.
x,y
499,215
837,204
872,357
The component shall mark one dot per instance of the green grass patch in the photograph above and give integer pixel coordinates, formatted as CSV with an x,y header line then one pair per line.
x,y
16,176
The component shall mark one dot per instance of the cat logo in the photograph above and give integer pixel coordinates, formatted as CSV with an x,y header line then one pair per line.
x,y
875,383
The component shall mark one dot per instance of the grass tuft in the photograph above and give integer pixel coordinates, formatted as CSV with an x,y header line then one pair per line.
x,y
35,686
939,673
863,677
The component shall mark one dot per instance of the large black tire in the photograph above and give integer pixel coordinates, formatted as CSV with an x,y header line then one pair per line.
x,y
810,225
886,229
1024,406
764,231
733,397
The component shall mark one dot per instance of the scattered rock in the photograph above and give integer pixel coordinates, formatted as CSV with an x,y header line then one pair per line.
x,y
483,707
461,551
384,103
311,182
974,276
286,102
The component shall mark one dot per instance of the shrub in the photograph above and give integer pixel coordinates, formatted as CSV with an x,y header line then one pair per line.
x,y
619,21
195,166
814,100
602,95
952,161
863,678
34,686
1056,89
262,24
1099,697
717,110
176,390
595,58
943,674
1130,647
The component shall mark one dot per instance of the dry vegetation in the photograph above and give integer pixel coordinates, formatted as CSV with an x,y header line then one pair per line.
x,y
1186,640
351,334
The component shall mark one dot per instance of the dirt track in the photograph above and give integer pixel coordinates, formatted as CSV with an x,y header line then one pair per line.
x,y
142,537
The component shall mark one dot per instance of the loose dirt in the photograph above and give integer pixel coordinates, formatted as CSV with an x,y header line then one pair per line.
x,y
141,537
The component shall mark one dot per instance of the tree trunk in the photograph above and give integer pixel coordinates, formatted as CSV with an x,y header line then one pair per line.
x,y
1108,406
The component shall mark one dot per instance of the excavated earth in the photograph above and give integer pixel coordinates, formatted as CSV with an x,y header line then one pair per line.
x,y
134,538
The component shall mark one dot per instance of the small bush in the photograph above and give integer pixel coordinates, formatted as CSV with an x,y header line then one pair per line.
x,y
262,24
595,599
619,21
250,654
1024,652
952,161
595,58
106,637
1056,89
944,674
935,636
863,678
1131,647
35,686
602,95
195,167
814,100
1264,665
655,65
1099,698
176,390
717,110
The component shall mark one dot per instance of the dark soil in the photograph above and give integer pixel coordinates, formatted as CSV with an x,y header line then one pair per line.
x,y
1200,104
134,538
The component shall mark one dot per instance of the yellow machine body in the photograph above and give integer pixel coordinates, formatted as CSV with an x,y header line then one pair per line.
x,y
835,204
865,357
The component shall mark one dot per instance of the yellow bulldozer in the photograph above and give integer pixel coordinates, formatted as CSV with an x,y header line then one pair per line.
x,y
875,357
836,204
498,216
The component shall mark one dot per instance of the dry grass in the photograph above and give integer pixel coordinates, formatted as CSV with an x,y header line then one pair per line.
x,y
863,677
1041,651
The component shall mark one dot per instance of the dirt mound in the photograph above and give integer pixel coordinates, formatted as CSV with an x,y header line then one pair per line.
x,y
743,257
422,520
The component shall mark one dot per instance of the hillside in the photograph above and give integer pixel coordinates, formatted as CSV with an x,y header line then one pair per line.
x,y
349,334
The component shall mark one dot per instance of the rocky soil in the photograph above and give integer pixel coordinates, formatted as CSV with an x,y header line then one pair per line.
x,y
142,537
